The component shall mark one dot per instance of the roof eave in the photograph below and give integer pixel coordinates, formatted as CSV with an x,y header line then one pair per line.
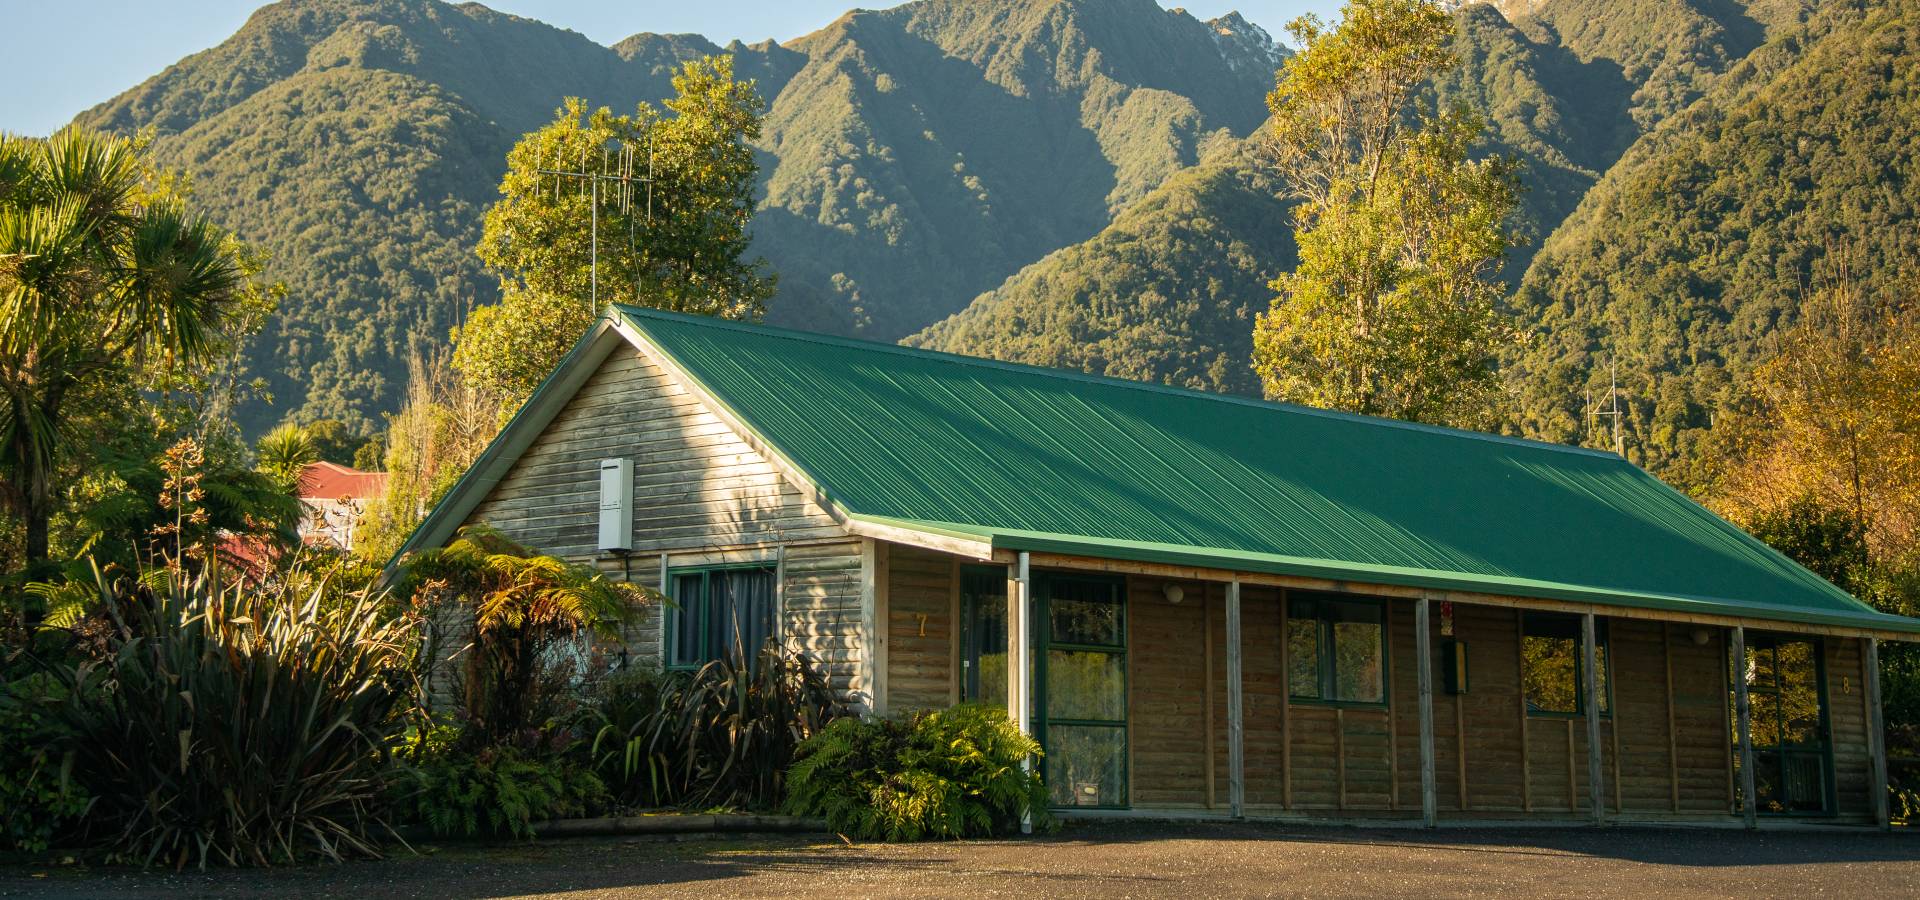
x,y
1357,573
580,363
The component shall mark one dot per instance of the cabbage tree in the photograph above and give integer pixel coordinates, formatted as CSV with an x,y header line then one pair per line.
x,y
106,278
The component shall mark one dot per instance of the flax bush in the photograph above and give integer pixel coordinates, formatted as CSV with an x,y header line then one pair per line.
x,y
239,724
720,736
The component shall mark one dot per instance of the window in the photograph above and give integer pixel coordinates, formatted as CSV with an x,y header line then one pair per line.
x,y
983,623
719,612
1552,672
1336,649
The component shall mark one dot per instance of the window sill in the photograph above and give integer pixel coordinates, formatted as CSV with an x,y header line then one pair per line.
x,y
1381,705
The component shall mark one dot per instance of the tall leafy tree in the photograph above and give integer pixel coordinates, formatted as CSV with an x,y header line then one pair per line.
x,y
107,283
678,241
1401,231
1832,420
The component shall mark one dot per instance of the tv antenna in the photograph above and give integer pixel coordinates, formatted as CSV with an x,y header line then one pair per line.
x,y
1613,410
616,173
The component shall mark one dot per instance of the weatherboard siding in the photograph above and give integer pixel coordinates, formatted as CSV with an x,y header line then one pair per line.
x,y
701,494
1847,722
1665,753
922,593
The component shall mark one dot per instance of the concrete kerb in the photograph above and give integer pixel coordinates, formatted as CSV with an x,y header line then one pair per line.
x,y
660,824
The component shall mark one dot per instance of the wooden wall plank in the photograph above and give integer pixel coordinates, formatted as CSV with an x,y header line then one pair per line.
x,y
921,630
1171,758
701,495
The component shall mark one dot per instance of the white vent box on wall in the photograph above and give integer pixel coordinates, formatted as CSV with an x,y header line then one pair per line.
x,y
616,504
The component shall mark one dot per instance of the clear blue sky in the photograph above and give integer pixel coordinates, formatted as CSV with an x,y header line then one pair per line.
x,y
45,79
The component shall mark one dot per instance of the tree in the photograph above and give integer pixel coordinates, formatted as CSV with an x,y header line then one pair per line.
x,y
284,454
1401,232
106,279
1834,414
677,243
430,442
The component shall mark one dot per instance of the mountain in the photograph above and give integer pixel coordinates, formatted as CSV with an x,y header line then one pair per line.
x,y
358,142
1699,243
1166,293
1169,292
927,152
912,157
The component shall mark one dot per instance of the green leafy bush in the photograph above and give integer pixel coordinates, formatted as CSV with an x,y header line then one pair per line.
x,y
39,799
494,791
723,735
242,724
526,606
952,773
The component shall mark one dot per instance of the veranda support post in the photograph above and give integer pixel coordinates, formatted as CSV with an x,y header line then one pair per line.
x,y
1743,714
1423,662
1236,728
1589,655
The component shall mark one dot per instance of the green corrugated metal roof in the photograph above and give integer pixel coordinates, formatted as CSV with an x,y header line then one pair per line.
x,y
1040,459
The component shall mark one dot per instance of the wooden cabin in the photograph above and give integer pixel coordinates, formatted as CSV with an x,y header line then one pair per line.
x,y
1200,605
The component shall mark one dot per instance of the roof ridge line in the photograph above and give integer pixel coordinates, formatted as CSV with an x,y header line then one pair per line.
x,y
810,337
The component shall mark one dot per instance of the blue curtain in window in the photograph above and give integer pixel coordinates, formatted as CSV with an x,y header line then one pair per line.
x,y
723,612
743,603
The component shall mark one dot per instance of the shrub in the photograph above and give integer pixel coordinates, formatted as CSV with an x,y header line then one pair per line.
x,y
948,774
494,791
723,735
525,605
242,724
39,799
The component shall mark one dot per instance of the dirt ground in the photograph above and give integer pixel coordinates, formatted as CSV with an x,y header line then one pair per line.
x,y
1088,860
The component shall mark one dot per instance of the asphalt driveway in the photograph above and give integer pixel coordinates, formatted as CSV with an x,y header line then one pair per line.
x,y
1105,860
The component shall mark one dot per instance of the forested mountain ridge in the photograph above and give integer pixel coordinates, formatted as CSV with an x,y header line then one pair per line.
x,y
1567,112
912,157
1166,293
1696,248
928,151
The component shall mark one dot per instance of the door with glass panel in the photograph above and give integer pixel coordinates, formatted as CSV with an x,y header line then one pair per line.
x,y
1082,656
983,634
1792,751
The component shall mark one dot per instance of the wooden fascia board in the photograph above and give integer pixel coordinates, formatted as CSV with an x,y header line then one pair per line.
x,y
1305,583
506,448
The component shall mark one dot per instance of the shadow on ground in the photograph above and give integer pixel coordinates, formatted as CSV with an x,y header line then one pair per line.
x,y
1086,859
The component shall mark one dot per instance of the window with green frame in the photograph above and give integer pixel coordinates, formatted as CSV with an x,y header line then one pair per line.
x,y
1552,672
1336,649
721,611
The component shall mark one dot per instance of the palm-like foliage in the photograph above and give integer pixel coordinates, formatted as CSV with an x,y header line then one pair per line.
x,y
284,453
100,276
523,604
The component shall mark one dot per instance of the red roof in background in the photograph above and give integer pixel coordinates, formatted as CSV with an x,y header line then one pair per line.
x,y
332,481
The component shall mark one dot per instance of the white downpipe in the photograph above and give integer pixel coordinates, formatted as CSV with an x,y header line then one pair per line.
x,y
1023,650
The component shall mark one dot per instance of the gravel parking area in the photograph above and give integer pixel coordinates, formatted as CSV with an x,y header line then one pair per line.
x,y
1103,860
